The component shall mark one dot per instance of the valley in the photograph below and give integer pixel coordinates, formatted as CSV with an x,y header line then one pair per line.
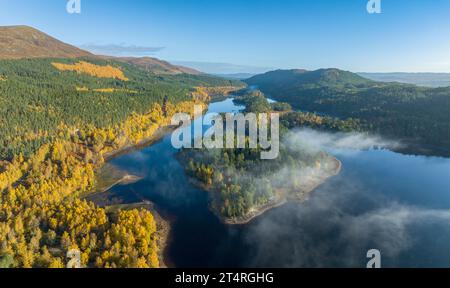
x,y
87,163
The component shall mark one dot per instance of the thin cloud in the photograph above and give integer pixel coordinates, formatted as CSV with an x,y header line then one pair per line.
x,y
121,49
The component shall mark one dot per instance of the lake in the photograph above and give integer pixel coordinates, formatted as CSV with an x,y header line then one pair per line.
x,y
396,203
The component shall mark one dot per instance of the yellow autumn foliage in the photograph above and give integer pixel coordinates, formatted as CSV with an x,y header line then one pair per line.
x,y
105,90
107,71
82,89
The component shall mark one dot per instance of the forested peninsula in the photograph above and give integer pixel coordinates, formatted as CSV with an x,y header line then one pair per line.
x,y
242,186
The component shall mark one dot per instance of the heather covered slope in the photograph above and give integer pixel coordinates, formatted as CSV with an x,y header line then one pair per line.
x,y
18,42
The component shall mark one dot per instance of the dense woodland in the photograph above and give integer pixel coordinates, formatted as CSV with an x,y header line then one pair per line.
x,y
55,128
418,114
297,119
255,101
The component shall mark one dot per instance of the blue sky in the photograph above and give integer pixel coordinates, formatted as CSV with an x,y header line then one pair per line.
x,y
409,35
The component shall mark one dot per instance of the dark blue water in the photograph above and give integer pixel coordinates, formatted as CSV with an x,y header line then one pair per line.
x,y
382,200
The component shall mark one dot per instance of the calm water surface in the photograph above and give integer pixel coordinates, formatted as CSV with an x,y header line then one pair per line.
x,y
396,203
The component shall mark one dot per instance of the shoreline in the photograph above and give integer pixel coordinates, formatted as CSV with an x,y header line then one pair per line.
x,y
251,216
127,179
160,133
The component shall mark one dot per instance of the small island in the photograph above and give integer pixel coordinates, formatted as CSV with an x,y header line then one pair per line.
x,y
243,187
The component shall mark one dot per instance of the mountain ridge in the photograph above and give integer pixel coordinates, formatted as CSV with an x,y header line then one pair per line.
x,y
154,65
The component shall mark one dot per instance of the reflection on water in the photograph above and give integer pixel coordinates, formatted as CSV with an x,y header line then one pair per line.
x,y
395,203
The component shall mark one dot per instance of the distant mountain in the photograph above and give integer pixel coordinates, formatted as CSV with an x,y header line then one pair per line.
x,y
22,42
215,68
300,79
236,76
421,115
421,79
17,42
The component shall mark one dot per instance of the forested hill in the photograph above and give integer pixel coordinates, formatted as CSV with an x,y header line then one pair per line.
x,y
303,79
419,114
